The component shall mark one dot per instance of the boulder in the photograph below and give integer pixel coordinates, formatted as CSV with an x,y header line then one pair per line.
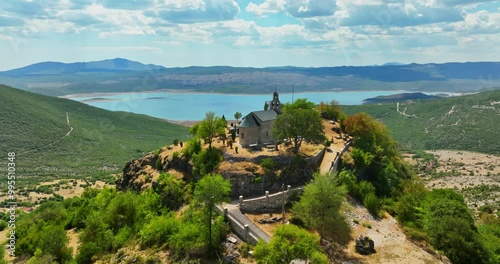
x,y
365,245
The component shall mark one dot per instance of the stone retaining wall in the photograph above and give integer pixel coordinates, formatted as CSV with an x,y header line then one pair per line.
x,y
270,203
242,231
336,161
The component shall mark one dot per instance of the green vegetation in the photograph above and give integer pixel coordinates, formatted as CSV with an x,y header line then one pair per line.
x,y
378,177
431,124
319,208
206,161
299,121
442,218
211,127
108,220
288,243
375,156
101,142
237,115
332,111
210,191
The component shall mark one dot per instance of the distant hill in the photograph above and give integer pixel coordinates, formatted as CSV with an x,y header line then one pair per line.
x,y
399,98
120,75
59,68
100,141
470,122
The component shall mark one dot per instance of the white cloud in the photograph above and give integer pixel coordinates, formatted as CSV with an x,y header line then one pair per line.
x,y
267,7
311,8
123,48
195,11
402,15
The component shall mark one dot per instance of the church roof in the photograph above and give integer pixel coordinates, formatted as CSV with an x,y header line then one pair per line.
x,y
257,117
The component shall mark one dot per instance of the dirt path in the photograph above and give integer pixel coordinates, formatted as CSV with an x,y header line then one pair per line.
x,y
70,127
55,142
404,111
391,244
331,152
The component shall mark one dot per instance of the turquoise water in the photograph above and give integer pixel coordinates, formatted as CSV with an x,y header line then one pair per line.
x,y
193,106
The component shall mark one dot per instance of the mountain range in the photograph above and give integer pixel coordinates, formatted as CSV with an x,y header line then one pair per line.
x,y
122,75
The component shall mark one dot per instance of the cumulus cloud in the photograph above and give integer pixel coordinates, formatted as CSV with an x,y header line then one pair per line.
x,y
311,8
196,11
399,15
267,7
460,2
128,5
296,8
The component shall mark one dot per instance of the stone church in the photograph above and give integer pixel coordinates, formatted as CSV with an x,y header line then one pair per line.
x,y
255,128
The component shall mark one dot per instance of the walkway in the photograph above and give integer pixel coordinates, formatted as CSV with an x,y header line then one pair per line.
x,y
234,212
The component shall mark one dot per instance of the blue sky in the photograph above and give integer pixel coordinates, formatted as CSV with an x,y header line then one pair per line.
x,y
256,33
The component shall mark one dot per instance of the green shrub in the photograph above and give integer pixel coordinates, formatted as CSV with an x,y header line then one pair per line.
x,y
350,181
170,190
486,209
193,146
158,231
175,155
328,143
176,142
189,240
122,237
86,251
206,161
371,203
158,164
244,249
415,234
152,260
367,225
268,165
3,225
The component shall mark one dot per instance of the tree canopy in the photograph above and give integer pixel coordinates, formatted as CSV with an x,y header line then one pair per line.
x,y
209,191
210,127
289,242
319,207
237,115
299,121
375,154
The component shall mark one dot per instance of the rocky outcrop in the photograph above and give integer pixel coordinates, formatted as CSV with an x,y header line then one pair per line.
x,y
245,173
139,174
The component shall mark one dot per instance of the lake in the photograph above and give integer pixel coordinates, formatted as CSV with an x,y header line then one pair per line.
x,y
193,106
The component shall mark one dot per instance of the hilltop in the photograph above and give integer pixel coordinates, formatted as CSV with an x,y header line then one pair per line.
x,y
468,122
60,68
55,137
121,75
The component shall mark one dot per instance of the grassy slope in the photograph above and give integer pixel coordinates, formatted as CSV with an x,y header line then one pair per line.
x,y
473,125
31,123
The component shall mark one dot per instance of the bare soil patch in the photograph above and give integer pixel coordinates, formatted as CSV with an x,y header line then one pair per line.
x,y
475,175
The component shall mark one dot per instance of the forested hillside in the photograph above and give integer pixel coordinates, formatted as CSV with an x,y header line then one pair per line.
x,y
64,138
470,122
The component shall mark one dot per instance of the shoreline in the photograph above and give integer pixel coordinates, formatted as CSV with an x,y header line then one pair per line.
x,y
180,91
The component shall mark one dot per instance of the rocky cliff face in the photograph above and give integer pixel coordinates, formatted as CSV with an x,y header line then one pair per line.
x,y
245,174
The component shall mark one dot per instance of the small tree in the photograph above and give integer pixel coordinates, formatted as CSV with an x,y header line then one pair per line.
x,y
210,127
237,115
319,207
209,191
288,243
299,121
